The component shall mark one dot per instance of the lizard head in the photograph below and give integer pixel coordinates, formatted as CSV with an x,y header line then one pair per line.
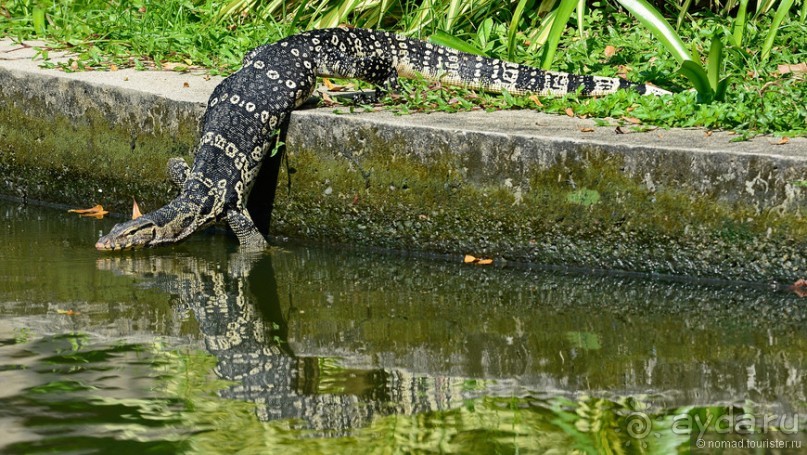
x,y
137,233
169,224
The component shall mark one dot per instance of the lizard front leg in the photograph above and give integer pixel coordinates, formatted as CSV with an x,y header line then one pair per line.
x,y
178,171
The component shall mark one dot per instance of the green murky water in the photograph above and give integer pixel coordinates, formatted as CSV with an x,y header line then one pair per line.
x,y
202,349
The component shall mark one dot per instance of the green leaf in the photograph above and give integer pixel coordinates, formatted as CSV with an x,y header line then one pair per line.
x,y
454,7
763,6
720,90
513,29
738,28
781,12
541,34
444,39
564,12
653,21
38,18
699,79
581,13
337,14
277,148
715,61
682,13
483,33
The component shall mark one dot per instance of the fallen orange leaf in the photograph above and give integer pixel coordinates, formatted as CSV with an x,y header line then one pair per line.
x,y
475,260
97,212
327,99
89,210
609,51
570,112
67,312
586,129
799,287
798,68
333,87
135,210
536,100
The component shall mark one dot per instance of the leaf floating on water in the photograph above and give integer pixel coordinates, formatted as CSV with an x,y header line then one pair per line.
x,y
67,312
89,210
96,212
799,287
135,210
468,259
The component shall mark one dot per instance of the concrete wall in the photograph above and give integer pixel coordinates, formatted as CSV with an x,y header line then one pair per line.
x,y
517,186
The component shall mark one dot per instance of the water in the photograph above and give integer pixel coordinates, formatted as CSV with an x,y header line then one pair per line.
x,y
198,348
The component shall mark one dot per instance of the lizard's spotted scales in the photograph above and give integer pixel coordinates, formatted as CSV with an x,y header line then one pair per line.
x,y
245,110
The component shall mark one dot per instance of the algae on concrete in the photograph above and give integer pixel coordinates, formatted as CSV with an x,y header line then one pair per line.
x,y
368,180
73,143
517,185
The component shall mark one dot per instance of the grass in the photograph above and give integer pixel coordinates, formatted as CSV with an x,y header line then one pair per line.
x,y
760,95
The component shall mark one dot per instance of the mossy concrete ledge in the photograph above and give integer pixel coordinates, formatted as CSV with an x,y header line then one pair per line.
x,y
516,186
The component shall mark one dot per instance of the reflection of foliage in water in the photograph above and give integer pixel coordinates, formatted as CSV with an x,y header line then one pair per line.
x,y
325,405
78,394
480,425
75,401
405,355
84,394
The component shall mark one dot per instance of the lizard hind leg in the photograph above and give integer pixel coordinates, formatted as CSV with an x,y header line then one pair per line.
x,y
378,70
246,231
